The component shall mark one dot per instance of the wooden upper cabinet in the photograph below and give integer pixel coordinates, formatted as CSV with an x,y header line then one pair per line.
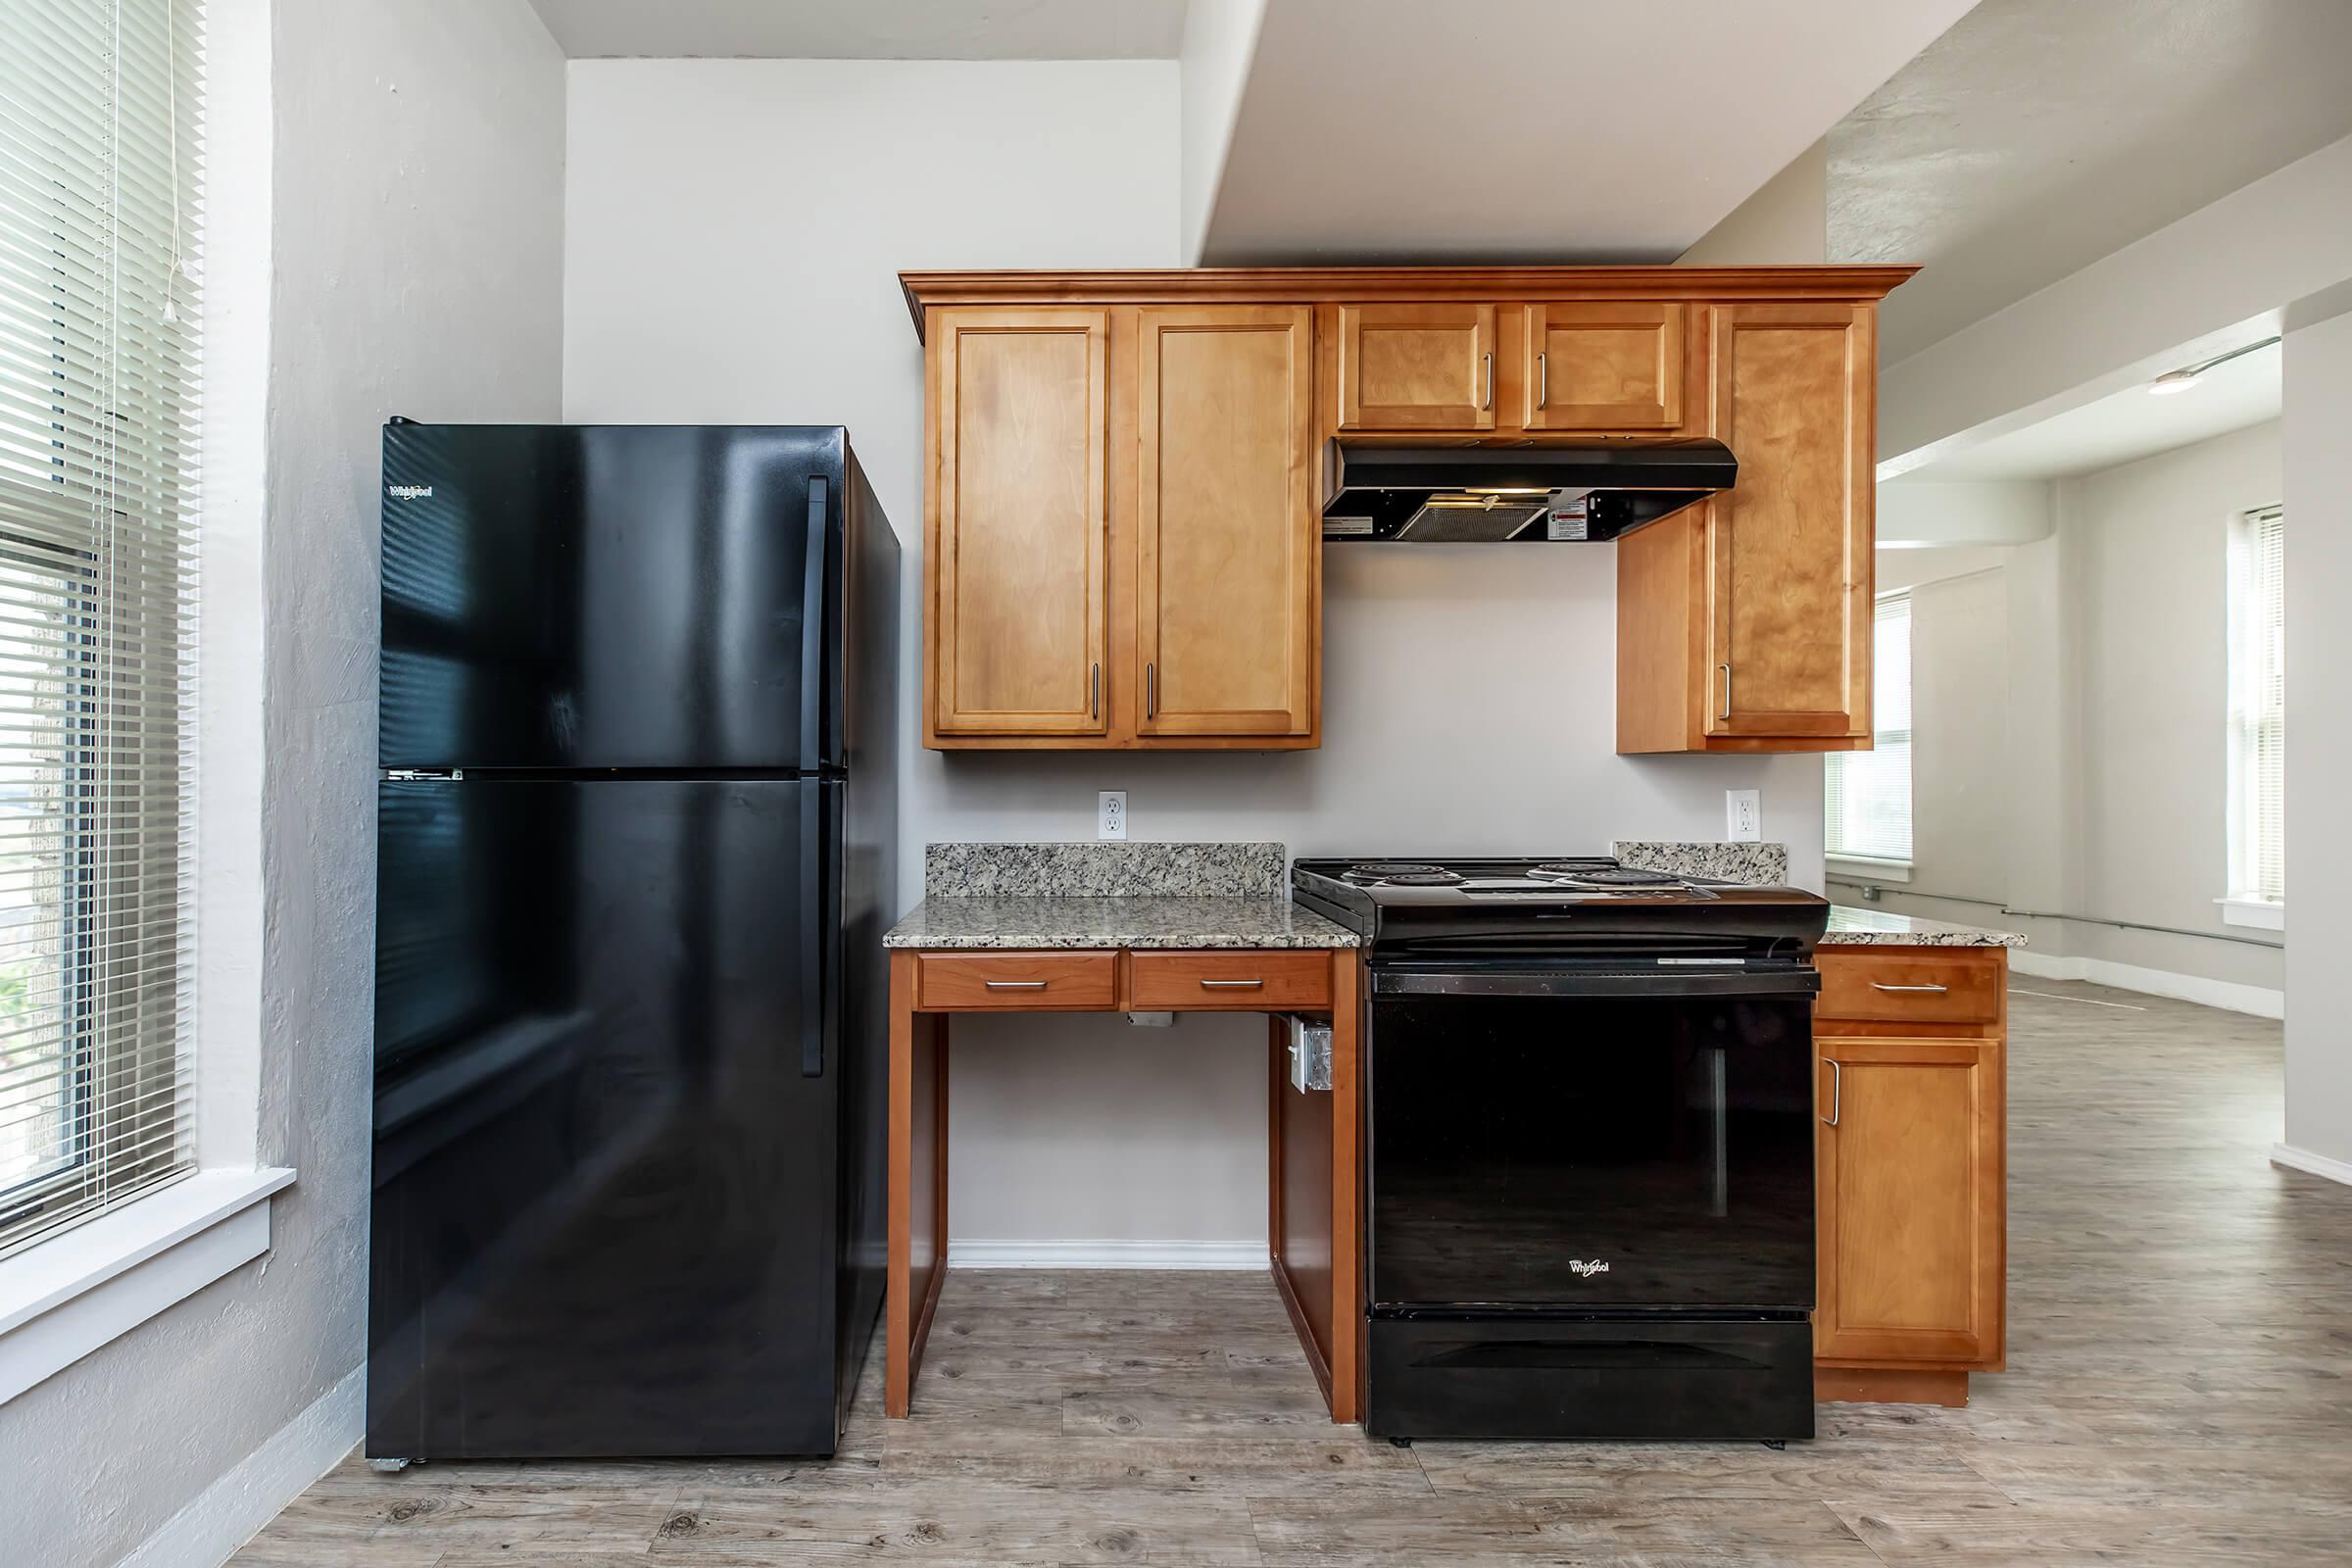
x,y
1227,532
1789,550
1910,1201
1604,367
1019,532
1417,367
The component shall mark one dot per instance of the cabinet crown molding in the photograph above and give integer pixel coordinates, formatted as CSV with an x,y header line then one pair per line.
x,y
1314,286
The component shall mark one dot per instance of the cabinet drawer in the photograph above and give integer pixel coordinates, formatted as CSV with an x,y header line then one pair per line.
x,y
1931,986
1257,981
1030,982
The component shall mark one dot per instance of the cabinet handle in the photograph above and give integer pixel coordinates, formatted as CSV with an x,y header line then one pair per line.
x,y
1932,991
1014,985
1726,711
1836,1093
1094,690
1151,691
1487,401
1542,380
1232,985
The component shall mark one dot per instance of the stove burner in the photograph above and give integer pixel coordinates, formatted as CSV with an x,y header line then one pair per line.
x,y
1614,877
1402,873
1604,876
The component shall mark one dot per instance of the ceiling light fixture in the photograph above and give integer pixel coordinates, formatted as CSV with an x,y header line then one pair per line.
x,y
2190,375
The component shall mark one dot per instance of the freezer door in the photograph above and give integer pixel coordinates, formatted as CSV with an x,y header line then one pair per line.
x,y
606,1126
612,595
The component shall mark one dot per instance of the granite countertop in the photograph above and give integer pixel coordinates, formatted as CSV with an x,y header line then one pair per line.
x,y
1046,920
1091,894
1851,927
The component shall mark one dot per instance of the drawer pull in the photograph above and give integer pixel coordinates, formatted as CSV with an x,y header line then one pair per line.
x,y
1014,985
1232,984
1927,990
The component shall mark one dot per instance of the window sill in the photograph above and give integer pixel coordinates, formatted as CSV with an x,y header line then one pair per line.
x,y
2260,914
1847,868
64,1297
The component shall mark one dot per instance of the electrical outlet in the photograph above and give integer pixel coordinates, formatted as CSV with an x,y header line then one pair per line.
x,y
1110,814
1744,815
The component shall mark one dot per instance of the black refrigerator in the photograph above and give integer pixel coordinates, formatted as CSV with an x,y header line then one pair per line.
x,y
636,854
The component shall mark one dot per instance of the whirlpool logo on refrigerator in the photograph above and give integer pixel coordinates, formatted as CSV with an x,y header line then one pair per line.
x,y
410,492
1585,1269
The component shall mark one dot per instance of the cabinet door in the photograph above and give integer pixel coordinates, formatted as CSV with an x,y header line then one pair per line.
x,y
1596,366
1227,531
1416,367
1022,522
1788,558
1910,1200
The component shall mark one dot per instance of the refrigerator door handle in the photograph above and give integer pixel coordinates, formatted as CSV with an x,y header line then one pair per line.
x,y
813,633
812,936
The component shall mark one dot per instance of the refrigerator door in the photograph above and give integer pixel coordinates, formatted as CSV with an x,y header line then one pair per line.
x,y
606,1120
612,595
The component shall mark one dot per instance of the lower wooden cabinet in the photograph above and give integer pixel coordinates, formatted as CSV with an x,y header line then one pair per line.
x,y
1911,1138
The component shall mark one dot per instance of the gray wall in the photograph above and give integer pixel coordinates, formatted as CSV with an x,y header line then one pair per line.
x,y
417,194
1469,692
2319,757
2070,714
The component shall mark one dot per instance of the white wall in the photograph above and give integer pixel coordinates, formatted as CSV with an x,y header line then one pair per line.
x,y
1785,220
2319,753
2070,707
1220,39
417,250
2212,281
1468,701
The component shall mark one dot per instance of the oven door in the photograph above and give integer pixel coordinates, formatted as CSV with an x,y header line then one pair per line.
x,y
1633,1135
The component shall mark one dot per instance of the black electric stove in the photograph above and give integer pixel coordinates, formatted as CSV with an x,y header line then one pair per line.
x,y
1590,1145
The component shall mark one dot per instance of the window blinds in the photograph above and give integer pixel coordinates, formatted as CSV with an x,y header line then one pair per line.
x,y
1870,792
2258,708
99,197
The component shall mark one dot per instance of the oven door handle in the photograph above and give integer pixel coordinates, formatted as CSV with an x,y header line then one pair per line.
x,y
1665,983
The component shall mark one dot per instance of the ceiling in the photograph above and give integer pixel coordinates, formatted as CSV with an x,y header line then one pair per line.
x,y
1565,130
2035,137
867,29
2124,426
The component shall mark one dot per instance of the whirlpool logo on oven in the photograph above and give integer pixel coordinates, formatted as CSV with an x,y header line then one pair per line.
x,y
410,492
1585,1268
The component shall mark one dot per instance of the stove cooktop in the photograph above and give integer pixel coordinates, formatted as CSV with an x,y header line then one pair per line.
x,y
1559,877
1547,901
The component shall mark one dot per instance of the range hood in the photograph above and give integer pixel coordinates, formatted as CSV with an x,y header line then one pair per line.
x,y
1481,495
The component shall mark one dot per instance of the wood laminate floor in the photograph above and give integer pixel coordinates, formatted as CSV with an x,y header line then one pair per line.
x,y
2179,1391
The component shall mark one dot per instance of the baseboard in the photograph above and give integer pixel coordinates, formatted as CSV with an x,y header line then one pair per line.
x,y
1107,1255
2303,1159
232,1510
2260,1000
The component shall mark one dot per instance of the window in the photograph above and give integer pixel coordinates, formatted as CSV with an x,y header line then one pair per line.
x,y
98,201
2258,708
1870,792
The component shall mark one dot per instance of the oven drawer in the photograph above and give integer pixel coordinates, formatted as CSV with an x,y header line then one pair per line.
x,y
1625,1380
1923,987
1256,981
1030,982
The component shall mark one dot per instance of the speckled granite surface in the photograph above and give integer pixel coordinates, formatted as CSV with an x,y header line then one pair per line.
x,y
1047,921
1851,927
1084,869
1759,865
